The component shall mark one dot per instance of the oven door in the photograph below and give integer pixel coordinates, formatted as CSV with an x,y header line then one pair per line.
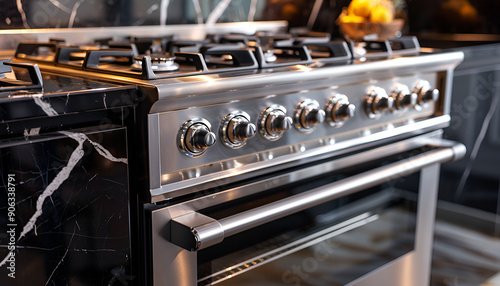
x,y
364,218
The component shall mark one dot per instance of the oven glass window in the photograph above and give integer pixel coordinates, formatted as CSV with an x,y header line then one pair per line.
x,y
331,244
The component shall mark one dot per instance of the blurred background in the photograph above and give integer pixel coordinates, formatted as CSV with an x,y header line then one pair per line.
x,y
422,16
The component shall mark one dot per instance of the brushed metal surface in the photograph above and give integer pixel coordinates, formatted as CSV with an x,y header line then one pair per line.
x,y
332,165
173,91
176,167
195,179
414,268
212,97
273,211
170,262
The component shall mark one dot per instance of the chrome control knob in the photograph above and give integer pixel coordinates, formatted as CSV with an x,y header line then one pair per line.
x,y
195,137
236,128
403,98
307,115
243,130
201,138
273,122
278,123
338,110
377,101
425,94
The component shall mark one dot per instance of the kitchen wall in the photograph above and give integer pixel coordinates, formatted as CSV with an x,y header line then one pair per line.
x,y
103,13
454,16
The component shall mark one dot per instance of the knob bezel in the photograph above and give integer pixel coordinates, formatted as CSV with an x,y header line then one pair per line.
x,y
300,115
185,132
400,94
333,105
225,129
421,88
264,122
375,94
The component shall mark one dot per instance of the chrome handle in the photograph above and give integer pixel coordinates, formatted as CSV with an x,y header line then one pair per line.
x,y
196,231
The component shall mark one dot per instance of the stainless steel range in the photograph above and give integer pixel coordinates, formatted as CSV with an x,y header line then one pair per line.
x,y
276,159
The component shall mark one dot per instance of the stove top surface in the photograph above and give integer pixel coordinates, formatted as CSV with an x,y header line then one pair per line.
x,y
165,57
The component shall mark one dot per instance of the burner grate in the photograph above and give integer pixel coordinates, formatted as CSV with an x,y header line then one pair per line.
x,y
165,57
27,77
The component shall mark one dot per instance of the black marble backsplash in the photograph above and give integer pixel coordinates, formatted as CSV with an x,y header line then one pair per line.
x,y
29,14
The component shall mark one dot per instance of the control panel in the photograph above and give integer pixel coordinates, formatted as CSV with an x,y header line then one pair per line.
x,y
268,127
274,120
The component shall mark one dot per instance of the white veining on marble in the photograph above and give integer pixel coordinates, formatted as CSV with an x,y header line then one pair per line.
x,y
252,10
46,107
119,274
218,11
54,185
31,132
2,263
75,157
153,8
73,13
163,11
60,261
67,100
478,142
314,13
23,14
60,6
197,10
99,148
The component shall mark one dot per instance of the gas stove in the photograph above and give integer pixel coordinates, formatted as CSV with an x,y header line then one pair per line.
x,y
165,57
205,117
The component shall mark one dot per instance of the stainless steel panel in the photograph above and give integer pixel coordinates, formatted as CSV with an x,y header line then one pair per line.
x,y
175,167
231,170
403,271
212,97
173,262
273,211
175,94
194,231
201,202
414,268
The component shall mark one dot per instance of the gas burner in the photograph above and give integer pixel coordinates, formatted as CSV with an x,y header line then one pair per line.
x,y
270,57
159,63
177,45
153,45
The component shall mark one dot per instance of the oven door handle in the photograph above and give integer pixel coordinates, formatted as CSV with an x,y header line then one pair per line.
x,y
195,231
